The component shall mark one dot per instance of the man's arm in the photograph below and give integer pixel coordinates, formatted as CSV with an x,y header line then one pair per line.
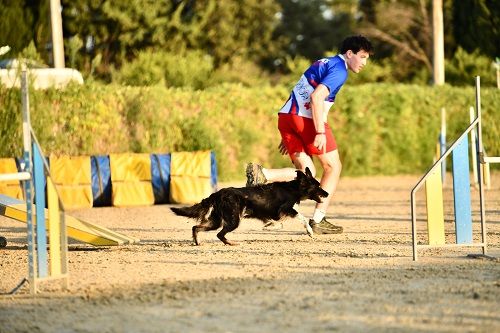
x,y
318,97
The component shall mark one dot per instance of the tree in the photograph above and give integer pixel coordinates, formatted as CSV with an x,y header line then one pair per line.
x,y
477,25
222,29
313,27
114,29
23,21
407,27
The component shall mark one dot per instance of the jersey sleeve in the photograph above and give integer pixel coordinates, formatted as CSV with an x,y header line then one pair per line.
x,y
333,77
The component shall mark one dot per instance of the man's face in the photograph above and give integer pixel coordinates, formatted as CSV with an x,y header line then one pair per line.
x,y
356,61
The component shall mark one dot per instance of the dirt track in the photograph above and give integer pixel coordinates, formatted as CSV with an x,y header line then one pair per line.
x,y
282,281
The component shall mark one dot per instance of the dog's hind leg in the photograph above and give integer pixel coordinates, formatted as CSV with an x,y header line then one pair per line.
x,y
198,228
231,222
213,222
222,236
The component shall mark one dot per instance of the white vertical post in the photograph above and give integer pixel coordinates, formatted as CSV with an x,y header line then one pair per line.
x,y
57,33
28,184
442,144
438,37
480,157
473,146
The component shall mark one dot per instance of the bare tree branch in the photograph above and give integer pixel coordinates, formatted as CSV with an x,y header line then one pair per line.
x,y
416,53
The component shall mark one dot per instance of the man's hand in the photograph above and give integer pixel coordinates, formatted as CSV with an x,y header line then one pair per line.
x,y
282,149
320,142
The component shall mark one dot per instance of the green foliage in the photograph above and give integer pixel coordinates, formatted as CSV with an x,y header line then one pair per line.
x,y
465,66
380,128
31,55
12,33
147,69
240,70
222,29
73,46
191,69
308,31
295,67
10,122
475,25
249,36
375,71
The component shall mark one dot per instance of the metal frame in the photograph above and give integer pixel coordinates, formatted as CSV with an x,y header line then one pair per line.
x,y
475,123
26,176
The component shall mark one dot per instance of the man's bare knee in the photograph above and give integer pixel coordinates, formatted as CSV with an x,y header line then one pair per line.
x,y
302,161
332,166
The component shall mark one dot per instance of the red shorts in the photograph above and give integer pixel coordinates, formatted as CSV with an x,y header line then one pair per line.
x,y
298,133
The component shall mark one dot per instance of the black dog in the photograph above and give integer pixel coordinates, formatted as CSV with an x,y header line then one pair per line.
x,y
264,202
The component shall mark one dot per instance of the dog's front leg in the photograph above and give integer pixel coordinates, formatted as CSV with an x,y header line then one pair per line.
x,y
304,221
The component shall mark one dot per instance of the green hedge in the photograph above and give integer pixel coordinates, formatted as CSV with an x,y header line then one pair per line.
x,y
380,128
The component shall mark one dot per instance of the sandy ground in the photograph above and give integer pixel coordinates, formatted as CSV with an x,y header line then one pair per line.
x,y
363,280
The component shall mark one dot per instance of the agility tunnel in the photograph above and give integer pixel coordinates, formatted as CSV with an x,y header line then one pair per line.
x,y
126,179
462,197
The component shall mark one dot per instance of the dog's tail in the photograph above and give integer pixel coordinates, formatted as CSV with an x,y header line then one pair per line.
x,y
197,211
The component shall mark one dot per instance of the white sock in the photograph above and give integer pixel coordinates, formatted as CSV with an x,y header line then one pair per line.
x,y
318,215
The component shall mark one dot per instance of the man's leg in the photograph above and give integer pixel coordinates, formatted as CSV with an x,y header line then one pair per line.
x,y
256,174
332,167
331,173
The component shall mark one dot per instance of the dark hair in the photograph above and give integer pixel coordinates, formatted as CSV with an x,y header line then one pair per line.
x,y
355,44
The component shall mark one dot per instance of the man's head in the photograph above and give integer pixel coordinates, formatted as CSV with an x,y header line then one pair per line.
x,y
356,51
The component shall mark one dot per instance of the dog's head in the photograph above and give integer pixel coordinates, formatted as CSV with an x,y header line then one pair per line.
x,y
309,186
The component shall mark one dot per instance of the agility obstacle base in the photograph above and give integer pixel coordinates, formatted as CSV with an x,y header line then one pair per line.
x,y
43,265
433,181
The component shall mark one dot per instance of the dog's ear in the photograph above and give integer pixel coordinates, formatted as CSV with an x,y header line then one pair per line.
x,y
308,172
299,173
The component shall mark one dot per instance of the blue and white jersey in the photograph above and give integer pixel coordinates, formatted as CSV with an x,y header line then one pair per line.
x,y
331,72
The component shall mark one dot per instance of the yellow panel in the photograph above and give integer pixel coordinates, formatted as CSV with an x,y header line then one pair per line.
x,y
11,188
17,212
191,164
189,189
76,196
435,215
14,191
8,165
135,193
71,170
76,229
54,229
130,167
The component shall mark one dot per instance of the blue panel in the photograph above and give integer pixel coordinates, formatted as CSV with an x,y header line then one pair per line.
x,y
41,234
160,177
461,192
101,181
213,166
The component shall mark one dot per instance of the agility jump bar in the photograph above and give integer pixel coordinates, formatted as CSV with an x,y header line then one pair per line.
x,y
461,190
